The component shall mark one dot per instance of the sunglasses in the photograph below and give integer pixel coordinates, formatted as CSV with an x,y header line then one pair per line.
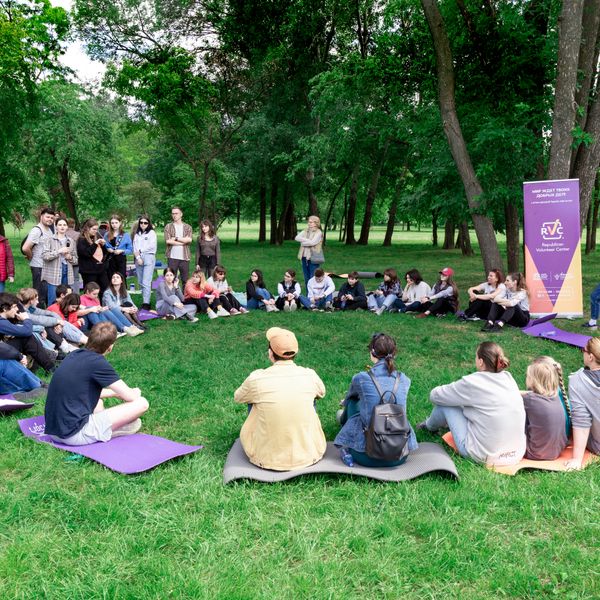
x,y
143,222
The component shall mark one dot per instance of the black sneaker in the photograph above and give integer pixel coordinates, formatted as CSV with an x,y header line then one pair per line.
x,y
495,329
488,326
31,394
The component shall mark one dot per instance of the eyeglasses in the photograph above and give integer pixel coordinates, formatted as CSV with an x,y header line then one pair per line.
x,y
143,222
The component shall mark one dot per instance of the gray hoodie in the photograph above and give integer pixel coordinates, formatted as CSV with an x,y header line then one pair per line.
x,y
584,393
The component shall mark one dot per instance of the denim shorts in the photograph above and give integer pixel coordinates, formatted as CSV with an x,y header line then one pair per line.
x,y
97,429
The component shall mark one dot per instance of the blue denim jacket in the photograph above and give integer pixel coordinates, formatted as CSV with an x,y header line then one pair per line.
x,y
363,390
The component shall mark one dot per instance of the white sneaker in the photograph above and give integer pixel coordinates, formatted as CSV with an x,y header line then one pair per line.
x,y
287,307
274,308
120,335
293,306
269,308
128,428
133,331
222,312
193,320
211,314
379,311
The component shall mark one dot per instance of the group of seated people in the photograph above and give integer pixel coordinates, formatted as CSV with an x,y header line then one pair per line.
x,y
491,420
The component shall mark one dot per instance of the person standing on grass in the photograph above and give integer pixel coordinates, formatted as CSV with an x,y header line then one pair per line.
x,y
282,431
208,250
119,246
483,410
33,246
178,238
592,324
7,263
59,253
75,412
584,391
311,248
93,257
144,251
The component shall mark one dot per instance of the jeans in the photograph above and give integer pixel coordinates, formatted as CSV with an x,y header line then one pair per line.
x,y
308,270
2,286
254,304
403,307
388,301
181,266
454,419
14,377
145,273
318,303
595,305
114,315
64,279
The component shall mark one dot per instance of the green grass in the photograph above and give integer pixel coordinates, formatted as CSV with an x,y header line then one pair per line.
x,y
72,529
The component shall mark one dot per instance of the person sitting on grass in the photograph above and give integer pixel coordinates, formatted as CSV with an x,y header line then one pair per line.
x,y
282,431
228,300
200,294
15,377
288,292
483,410
320,292
444,298
16,330
67,308
415,290
363,396
169,299
384,297
512,309
584,391
117,298
352,295
257,294
75,412
547,424
481,297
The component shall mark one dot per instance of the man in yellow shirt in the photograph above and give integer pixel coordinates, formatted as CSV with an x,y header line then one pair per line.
x,y
282,431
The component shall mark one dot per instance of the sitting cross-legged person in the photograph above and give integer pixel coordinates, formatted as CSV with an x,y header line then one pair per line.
x,y
282,431
352,295
15,377
75,412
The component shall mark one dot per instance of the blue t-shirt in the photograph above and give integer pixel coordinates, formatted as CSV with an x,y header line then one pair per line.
x,y
75,390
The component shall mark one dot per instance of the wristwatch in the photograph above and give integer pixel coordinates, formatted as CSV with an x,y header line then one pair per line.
x,y
176,239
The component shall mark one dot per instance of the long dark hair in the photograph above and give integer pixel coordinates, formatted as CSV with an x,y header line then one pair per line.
x,y
68,300
211,229
383,346
415,276
121,292
85,229
260,282
137,228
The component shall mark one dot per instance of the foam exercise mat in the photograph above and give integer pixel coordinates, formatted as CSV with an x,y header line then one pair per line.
x,y
426,459
557,464
549,331
146,315
9,404
128,454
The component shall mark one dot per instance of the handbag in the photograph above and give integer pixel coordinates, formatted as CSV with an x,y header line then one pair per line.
x,y
318,258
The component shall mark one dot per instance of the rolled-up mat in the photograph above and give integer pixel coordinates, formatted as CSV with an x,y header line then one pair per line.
x,y
128,454
426,459
146,315
361,275
9,404
549,331
557,464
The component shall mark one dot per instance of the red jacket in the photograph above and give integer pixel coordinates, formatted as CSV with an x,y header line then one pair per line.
x,y
7,263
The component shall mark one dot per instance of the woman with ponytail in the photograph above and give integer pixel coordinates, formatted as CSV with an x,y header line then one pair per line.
x,y
363,396
483,410
547,422
584,389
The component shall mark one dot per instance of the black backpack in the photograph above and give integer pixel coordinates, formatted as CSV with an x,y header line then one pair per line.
x,y
389,430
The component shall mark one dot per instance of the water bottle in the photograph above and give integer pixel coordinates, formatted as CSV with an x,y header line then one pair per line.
x,y
346,457
132,287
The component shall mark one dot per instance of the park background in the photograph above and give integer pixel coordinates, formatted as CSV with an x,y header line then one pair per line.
x,y
384,118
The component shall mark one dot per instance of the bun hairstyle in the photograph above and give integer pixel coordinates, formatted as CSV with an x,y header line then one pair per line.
x,y
493,357
520,279
545,377
593,347
383,346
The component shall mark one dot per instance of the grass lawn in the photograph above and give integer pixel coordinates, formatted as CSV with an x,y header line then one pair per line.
x,y
74,530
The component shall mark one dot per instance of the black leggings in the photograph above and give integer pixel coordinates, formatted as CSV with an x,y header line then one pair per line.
x,y
479,308
34,348
229,301
440,306
351,304
280,302
100,278
511,315
202,304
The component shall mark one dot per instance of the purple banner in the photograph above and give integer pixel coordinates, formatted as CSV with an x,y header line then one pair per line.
x,y
552,247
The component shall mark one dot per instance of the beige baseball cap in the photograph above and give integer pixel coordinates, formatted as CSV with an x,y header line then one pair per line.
x,y
283,342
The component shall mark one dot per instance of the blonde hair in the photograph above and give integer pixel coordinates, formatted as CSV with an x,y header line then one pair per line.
x,y
545,377
593,347
315,218
26,295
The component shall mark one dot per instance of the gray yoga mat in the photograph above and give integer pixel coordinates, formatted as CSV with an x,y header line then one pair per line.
x,y
427,458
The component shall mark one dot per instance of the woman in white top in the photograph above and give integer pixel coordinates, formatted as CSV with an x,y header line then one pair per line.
x,y
483,410
415,289
144,251
219,283
482,295
311,248
513,308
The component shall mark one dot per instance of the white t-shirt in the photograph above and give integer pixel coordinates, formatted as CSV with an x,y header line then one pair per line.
x,y
177,251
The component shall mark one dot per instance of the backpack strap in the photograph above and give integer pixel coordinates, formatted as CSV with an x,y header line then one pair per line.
x,y
379,390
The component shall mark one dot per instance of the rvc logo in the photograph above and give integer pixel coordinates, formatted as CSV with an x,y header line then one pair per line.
x,y
552,230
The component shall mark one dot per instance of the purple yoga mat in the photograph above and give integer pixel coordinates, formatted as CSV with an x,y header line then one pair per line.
x,y
146,315
8,404
128,454
157,282
549,331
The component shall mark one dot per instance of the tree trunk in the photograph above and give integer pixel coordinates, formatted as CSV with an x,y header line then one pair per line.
x,y
592,220
342,236
391,223
407,225
449,231
262,225
287,199
2,232
273,211
331,205
65,184
363,240
313,207
465,239
203,192
513,248
595,224
291,229
473,190
434,227
351,215
238,213
565,110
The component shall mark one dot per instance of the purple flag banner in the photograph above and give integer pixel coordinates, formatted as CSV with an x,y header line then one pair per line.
x,y
552,247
